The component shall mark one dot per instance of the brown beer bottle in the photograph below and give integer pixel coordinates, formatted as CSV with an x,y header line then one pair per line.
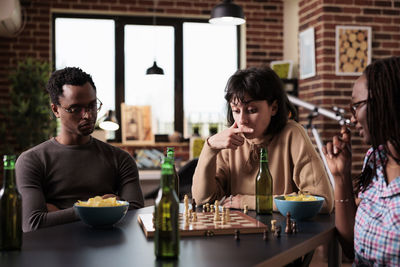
x,y
10,208
264,186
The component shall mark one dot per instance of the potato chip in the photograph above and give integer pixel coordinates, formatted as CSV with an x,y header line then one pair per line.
x,y
98,201
300,197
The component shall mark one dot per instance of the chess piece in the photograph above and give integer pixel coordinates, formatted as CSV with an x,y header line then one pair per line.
x,y
194,218
228,214
246,209
237,235
294,227
273,225
217,217
265,235
277,232
288,228
186,202
190,214
193,205
204,207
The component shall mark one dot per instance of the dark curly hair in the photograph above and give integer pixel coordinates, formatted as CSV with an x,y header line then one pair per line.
x,y
383,112
68,75
260,84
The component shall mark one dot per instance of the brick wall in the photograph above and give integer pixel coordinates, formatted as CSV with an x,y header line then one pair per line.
x,y
263,29
326,89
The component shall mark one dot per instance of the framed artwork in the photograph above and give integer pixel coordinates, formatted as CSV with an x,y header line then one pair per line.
x,y
307,53
353,49
136,124
283,68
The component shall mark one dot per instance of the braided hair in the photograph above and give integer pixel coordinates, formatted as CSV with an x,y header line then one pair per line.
x,y
383,113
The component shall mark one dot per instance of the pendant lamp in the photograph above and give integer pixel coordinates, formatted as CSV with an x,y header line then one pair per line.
x,y
227,13
109,122
154,70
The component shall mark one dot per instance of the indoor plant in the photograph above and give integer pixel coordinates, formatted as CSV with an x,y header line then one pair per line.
x,y
27,119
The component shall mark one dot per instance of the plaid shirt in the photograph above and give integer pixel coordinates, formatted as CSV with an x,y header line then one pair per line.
x,y
377,225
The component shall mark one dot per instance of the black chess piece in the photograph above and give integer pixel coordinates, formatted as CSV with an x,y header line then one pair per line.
x,y
265,235
193,205
237,235
278,230
288,228
294,228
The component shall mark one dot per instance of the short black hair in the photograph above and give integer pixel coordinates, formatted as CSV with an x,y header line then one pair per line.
x,y
68,75
260,83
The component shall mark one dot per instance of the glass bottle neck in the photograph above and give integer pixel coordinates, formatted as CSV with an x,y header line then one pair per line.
x,y
9,171
171,154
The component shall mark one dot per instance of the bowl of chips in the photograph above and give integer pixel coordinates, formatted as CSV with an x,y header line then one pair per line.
x,y
101,213
300,206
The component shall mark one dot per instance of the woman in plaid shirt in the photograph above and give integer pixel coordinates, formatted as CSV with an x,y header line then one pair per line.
x,y
369,228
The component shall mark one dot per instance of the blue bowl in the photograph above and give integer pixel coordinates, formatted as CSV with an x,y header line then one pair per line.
x,y
102,217
299,210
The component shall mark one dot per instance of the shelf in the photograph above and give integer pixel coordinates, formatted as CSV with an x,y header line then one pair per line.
x,y
150,144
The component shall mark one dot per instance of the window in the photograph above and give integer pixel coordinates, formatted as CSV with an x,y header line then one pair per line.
x,y
89,44
197,59
143,44
210,58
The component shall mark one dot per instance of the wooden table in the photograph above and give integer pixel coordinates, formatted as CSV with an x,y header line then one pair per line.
x,y
76,244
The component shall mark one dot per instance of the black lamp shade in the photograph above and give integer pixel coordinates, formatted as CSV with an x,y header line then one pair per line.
x,y
155,70
227,13
109,122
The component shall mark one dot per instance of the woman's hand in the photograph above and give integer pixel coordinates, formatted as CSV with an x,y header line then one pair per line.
x,y
338,153
229,138
232,202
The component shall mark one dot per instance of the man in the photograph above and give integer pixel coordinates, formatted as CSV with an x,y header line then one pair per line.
x,y
73,166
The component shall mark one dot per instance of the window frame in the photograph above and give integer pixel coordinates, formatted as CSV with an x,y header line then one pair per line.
x,y
120,22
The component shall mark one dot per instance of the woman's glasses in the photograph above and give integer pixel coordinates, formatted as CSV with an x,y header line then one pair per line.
x,y
355,106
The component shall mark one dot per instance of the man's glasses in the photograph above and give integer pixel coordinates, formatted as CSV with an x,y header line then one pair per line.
x,y
91,108
355,106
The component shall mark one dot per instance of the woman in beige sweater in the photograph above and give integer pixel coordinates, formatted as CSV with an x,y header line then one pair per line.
x,y
258,112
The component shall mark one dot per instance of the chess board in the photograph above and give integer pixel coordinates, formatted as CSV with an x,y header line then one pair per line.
x,y
205,225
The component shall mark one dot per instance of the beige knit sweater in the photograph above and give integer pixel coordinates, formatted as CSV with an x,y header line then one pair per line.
x,y
293,162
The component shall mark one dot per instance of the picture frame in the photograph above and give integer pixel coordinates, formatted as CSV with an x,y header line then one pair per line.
x,y
307,53
353,49
284,68
136,124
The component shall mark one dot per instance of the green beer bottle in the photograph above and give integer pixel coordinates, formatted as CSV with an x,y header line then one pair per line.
x,y
10,208
264,186
166,212
171,156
